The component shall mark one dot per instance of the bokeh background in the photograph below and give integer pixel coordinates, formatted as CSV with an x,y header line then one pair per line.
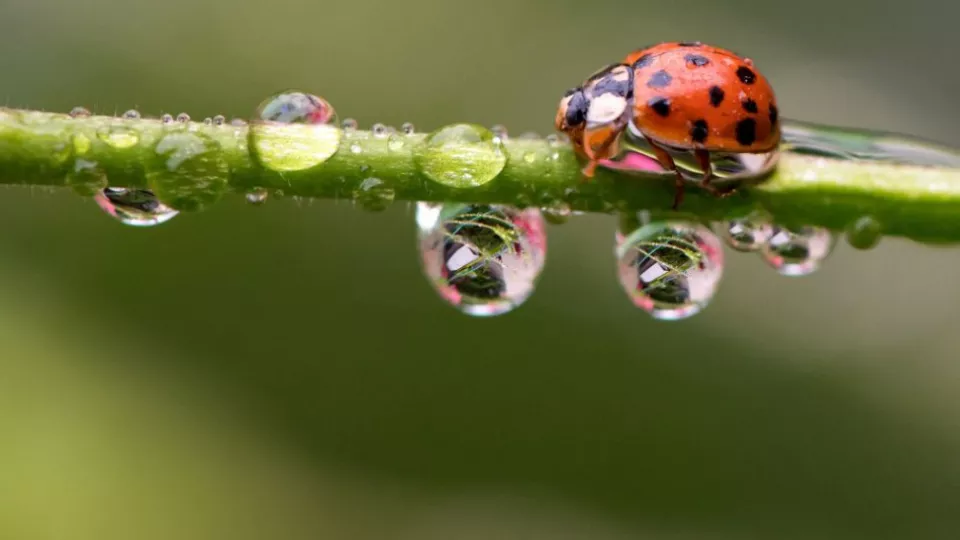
x,y
286,372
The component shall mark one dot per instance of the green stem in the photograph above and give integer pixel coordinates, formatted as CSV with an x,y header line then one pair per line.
x,y
921,202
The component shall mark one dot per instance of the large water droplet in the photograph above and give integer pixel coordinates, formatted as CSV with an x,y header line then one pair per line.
x,y
483,259
293,131
188,171
257,196
374,195
86,178
864,233
134,207
798,251
461,156
748,233
118,136
670,269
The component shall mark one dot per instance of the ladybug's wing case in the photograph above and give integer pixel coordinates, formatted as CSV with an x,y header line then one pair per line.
x,y
696,96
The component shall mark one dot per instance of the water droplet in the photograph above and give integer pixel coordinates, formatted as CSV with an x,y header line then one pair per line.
x,y
208,121
132,114
79,112
374,195
395,142
557,214
864,233
355,148
483,259
183,118
408,128
86,178
294,131
500,131
238,122
188,171
552,139
257,196
134,207
118,136
349,124
379,130
461,156
529,157
219,120
670,269
166,119
748,233
797,251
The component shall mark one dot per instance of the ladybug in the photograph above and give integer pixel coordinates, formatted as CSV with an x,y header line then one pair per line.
x,y
682,96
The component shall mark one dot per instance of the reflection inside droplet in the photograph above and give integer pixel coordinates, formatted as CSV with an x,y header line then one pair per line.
x,y
798,251
483,259
134,207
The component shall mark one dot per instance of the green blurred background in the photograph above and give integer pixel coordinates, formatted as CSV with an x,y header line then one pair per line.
x,y
286,372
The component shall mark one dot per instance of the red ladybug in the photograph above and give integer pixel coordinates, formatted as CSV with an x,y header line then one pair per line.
x,y
679,95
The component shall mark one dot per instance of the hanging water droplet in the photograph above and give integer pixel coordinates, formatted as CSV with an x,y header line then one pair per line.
x,y
208,121
132,114
558,213
408,128
118,136
134,207
379,130
748,233
79,112
183,118
188,171
257,196
293,131
86,178
461,156
219,120
374,195
797,251
483,259
166,119
499,131
864,233
670,269
349,124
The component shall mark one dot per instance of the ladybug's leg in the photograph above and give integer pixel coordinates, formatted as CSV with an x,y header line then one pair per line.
x,y
666,161
703,158
609,136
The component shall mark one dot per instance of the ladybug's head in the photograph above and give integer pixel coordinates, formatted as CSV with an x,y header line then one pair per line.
x,y
598,106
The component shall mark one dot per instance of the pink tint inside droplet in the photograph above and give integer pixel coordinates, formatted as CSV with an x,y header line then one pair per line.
x,y
633,162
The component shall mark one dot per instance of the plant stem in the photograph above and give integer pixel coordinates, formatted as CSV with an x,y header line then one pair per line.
x,y
916,201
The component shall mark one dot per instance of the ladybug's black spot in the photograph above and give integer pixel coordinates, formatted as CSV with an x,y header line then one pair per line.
x,y
716,95
610,84
699,131
746,131
774,115
746,75
749,105
660,105
643,61
576,109
660,79
690,44
696,60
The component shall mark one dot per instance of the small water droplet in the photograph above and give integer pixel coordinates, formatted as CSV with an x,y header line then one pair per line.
x,y
118,136
797,251
355,148
864,233
408,128
558,213
500,131
670,269
257,196
294,131
552,139
238,122
529,157
219,120
349,124
483,259
748,233
188,171
79,112
461,156
374,195
395,142
86,178
379,130
183,118
134,207
132,114
208,121
166,119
